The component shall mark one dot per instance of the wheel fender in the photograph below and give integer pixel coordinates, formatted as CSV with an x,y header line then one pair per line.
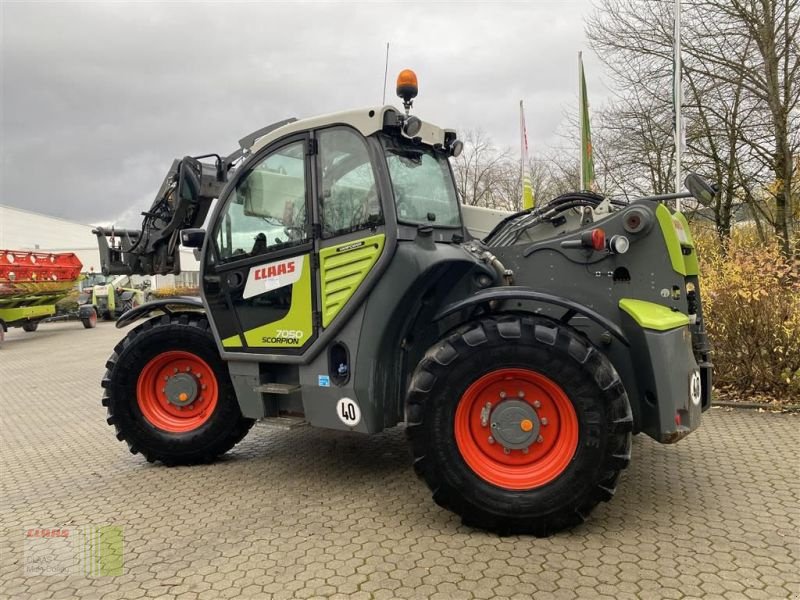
x,y
502,294
166,306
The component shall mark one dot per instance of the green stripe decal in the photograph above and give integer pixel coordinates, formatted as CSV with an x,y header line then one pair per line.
x,y
343,269
649,315
677,236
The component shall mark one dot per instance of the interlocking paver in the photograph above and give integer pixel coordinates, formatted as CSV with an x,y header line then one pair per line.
x,y
310,513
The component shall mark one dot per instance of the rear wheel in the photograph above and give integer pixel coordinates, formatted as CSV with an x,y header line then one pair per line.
x,y
519,425
30,326
169,395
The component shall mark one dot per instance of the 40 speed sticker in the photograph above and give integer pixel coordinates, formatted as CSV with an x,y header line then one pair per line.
x,y
348,412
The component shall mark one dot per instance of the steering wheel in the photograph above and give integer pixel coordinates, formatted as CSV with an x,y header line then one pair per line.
x,y
294,232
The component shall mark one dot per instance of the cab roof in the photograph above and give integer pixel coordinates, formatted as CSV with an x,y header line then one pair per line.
x,y
366,120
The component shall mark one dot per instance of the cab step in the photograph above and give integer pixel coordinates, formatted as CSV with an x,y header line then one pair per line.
x,y
284,423
283,389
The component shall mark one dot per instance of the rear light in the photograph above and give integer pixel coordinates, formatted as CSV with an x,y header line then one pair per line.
x,y
597,239
594,239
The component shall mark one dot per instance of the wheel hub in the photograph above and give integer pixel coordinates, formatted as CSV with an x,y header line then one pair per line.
x,y
181,389
515,424
516,428
177,391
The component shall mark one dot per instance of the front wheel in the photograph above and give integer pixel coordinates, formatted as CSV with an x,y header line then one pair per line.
x,y
169,395
519,425
30,326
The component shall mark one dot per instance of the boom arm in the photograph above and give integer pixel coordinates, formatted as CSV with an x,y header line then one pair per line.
x,y
182,202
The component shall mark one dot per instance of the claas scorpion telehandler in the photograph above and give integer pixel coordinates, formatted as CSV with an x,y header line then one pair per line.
x,y
340,288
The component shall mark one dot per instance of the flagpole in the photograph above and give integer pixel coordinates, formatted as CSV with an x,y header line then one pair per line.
x,y
580,113
522,151
678,98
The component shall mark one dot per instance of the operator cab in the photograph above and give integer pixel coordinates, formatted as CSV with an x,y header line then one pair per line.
x,y
312,216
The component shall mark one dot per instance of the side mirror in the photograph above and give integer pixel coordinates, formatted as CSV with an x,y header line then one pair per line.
x,y
699,188
190,173
193,238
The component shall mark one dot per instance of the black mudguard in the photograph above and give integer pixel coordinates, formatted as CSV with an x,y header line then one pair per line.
x,y
501,294
167,306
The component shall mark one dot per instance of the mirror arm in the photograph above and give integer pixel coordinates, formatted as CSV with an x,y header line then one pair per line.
x,y
662,197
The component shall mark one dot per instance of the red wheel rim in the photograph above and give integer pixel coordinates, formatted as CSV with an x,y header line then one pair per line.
x,y
152,397
546,458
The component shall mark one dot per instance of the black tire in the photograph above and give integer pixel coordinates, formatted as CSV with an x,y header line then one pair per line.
x,y
90,322
30,326
559,353
2,335
189,333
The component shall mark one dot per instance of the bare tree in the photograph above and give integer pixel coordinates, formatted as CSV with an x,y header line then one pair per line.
x,y
741,71
478,169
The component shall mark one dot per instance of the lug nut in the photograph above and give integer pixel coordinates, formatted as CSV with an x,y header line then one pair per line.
x,y
521,394
175,370
506,451
202,387
188,369
485,412
537,404
491,440
540,439
544,420
163,390
502,395
166,377
525,450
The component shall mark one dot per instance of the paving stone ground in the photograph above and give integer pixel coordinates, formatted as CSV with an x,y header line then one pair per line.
x,y
312,513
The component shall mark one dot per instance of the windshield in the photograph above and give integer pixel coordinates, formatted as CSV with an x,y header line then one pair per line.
x,y
422,183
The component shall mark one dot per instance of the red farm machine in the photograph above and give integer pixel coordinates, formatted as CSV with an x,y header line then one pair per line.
x,y
30,285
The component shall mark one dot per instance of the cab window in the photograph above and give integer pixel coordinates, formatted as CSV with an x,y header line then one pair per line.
x,y
349,198
424,190
267,210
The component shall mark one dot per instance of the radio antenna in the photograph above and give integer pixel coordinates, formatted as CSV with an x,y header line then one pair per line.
x,y
385,73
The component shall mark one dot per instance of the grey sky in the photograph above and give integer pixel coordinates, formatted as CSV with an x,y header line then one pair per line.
x,y
97,99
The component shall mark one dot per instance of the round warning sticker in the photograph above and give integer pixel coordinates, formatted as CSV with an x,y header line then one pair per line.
x,y
348,412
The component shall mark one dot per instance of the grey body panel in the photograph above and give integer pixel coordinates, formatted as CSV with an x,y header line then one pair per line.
x,y
381,353
595,279
666,387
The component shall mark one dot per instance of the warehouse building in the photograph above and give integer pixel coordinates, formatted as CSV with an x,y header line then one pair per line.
x,y
26,230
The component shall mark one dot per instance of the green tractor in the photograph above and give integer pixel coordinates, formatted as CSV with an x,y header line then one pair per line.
x,y
340,288
112,297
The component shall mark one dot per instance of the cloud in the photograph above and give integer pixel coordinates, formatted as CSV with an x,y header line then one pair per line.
x,y
97,99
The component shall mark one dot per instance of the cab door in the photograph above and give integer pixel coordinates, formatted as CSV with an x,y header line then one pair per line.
x,y
352,227
258,279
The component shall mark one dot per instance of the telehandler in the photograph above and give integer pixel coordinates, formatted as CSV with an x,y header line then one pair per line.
x,y
340,288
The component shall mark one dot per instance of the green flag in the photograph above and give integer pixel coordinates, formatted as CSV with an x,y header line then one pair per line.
x,y
528,200
587,163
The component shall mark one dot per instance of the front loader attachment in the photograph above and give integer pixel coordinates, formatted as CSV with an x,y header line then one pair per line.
x,y
182,202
